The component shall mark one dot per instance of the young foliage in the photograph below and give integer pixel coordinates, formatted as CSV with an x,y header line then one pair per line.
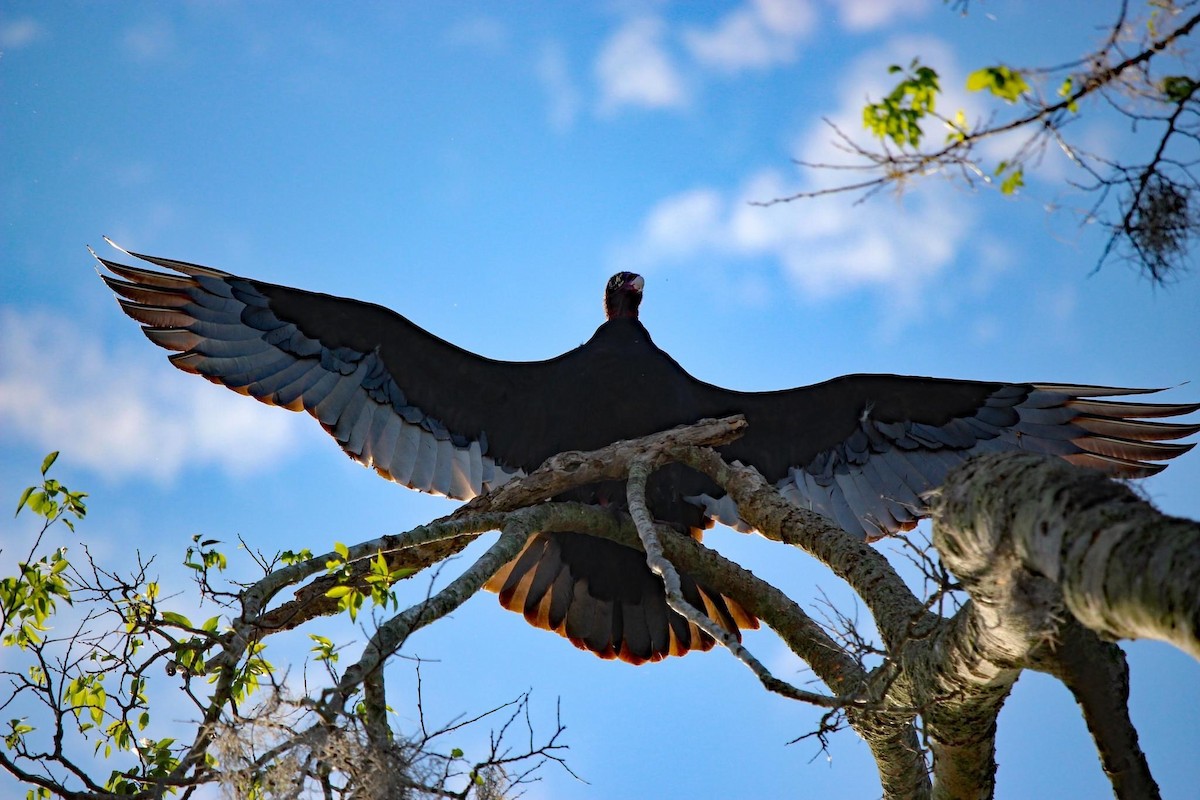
x,y
1143,196
85,693
898,115
1001,81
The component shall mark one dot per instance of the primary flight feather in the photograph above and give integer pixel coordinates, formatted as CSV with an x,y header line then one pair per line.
x,y
860,449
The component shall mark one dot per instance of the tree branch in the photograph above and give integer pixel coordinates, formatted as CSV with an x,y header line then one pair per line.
x,y
1098,676
1124,570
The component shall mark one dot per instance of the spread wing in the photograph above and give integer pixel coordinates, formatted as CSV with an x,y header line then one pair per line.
x,y
417,409
862,449
437,418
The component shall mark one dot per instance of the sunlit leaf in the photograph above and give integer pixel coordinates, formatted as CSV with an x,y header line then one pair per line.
x,y
176,619
1005,83
24,498
1015,180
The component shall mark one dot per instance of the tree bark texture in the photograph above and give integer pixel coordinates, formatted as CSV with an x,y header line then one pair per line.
x,y
1033,541
1123,569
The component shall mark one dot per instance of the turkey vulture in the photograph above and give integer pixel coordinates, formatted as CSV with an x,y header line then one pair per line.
x,y
859,449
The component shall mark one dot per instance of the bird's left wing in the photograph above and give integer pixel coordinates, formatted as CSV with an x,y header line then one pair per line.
x,y
420,410
863,449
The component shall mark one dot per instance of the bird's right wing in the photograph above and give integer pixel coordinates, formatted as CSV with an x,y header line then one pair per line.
x,y
418,409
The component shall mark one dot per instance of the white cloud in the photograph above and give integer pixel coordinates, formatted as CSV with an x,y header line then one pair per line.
x,y
634,68
866,15
149,41
18,33
555,77
485,34
759,34
116,413
824,246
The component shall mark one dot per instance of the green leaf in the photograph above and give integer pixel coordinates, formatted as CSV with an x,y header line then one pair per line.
x,y
1178,88
898,115
1015,178
1014,181
339,591
42,505
1005,83
456,753
49,462
176,619
341,550
24,497
1066,90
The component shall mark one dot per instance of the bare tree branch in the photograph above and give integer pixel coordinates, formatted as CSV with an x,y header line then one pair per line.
x,y
1148,206
1041,548
1098,676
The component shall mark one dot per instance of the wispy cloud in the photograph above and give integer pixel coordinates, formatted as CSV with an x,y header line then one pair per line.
x,y
115,413
481,33
18,33
825,246
149,41
634,68
656,62
867,15
555,76
757,35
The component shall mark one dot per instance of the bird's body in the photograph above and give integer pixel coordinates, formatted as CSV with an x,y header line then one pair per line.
x,y
860,449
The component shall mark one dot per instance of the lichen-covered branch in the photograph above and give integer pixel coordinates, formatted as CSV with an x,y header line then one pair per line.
x,y
1045,549
433,543
1123,569
896,610
1096,673
639,474
1041,548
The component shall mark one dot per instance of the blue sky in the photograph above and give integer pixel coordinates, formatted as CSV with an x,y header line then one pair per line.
x,y
482,169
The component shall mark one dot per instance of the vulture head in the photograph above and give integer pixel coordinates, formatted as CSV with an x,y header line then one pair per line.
x,y
623,295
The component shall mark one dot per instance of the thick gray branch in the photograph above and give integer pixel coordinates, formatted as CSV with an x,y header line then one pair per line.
x,y
1123,569
1097,674
896,610
1034,542
429,544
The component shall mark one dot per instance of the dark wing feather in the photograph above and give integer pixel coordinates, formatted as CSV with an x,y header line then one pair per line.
x,y
605,599
418,409
437,418
415,407
863,449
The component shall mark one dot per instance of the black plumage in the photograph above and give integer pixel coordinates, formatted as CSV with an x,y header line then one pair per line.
x,y
859,449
